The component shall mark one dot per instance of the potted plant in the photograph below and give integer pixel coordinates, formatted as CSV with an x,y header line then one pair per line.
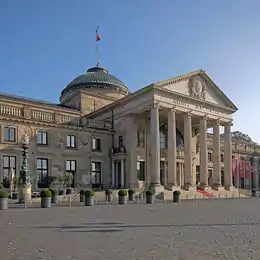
x,y
1,186
61,179
149,196
108,193
176,196
122,197
131,193
68,182
3,199
82,195
89,200
46,198
54,196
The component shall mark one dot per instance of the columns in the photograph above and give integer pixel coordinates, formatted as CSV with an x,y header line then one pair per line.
x,y
172,163
122,174
228,156
216,156
155,147
188,178
113,174
203,154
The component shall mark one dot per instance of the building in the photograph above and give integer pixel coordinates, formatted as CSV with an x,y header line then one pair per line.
x,y
108,137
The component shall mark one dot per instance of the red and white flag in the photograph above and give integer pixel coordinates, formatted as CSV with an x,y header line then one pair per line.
x,y
234,167
98,38
242,169
247,169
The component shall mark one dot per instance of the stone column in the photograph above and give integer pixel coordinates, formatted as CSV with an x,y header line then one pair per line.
x,y
203,154
122,174
172,163
155,148
113,174
188,178
228,156
216,157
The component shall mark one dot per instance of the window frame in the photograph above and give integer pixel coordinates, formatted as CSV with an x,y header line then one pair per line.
x,y
99,171
6,127
98,144
9,165
69,144
70,170
41,139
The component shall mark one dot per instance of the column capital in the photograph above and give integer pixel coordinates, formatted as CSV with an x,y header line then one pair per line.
x,y
229,123
155,105
173,109
205,117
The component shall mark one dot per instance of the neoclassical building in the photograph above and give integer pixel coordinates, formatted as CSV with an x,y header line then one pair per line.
x,y
109,137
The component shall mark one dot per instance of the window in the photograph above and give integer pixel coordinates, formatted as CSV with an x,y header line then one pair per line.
x,y
42,169
210,157
120,140
141,170
140,138
222,157
96,172
42,138
162,140
9,134
9,162
96,146
71,166
71,141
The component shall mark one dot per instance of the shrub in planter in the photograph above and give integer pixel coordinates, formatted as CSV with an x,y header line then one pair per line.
x,y
46,198
82,195
108,193
122,196
89,200
1,186
176,196
149,196
3,199
131,193
54,196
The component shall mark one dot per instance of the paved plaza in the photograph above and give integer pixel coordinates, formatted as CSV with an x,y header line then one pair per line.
x,y
210,229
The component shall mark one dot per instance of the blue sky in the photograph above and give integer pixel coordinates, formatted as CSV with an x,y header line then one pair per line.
x,y
45,44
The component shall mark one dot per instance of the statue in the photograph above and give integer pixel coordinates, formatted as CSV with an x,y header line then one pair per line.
x,y
197,88
26,139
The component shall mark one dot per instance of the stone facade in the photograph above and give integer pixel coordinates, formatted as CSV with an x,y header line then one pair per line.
x,y
107,137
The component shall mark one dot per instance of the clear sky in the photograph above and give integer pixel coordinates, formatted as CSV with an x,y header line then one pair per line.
x,y
45,44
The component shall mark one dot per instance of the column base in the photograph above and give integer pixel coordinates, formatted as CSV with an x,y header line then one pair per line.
x,y
158,187
204,187
25,193
217,187
189,187
229,187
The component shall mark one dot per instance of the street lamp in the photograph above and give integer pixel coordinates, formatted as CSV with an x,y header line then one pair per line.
x,y
25,186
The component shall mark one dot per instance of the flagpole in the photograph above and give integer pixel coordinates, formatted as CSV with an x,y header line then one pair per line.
x,y
97,52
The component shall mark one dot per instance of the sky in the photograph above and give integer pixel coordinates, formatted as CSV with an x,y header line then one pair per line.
x,y
45,44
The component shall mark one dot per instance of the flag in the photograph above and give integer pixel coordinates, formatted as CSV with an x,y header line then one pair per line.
x,y
234,167
254,168
242,169
98,38
247,169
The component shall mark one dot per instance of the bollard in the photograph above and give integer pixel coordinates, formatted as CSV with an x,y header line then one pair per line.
x,y
69,200
219,195
25,204
226,196
238,194
186,198
195,199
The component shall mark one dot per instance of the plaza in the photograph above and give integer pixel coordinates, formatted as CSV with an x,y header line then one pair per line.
x,y
208,229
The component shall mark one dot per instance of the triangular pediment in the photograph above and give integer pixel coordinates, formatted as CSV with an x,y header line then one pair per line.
x,y
198,85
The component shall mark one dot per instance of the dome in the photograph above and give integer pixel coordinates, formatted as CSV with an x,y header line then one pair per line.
x,y
97,77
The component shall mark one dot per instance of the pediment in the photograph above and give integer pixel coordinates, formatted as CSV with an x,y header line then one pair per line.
x,y
198,85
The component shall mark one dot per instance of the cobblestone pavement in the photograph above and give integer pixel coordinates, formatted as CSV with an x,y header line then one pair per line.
x,y
210,229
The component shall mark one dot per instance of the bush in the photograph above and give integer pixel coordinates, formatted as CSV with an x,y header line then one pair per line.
x,y
122,193
131,191
152,188
1,186
108,191
3,194
54,192
150,192
82,192
176,192
89,193
46,193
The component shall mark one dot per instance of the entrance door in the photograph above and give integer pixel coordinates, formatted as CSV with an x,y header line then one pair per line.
x,y
118,175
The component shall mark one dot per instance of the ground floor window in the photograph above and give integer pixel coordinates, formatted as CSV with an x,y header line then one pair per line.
x,y
71,168
42,169
96,173
8,165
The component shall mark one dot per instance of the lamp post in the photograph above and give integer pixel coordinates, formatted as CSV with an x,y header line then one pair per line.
x,y
25,186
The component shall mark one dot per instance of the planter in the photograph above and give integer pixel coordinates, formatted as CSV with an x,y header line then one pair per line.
x,y
122,200
131,196
149,199
82,197
3,203
176,198
15,196
109,197
69,191
54,198
89,201
46,202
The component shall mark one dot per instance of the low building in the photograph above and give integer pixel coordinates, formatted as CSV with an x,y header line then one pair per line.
x,y
108,137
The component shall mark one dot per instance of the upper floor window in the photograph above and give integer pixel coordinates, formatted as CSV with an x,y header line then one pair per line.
x,y
42,138
210,157
71,141
222,157
9,134
120,140
96,144
71,166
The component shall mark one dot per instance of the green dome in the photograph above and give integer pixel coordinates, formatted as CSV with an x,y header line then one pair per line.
x,y
97,78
